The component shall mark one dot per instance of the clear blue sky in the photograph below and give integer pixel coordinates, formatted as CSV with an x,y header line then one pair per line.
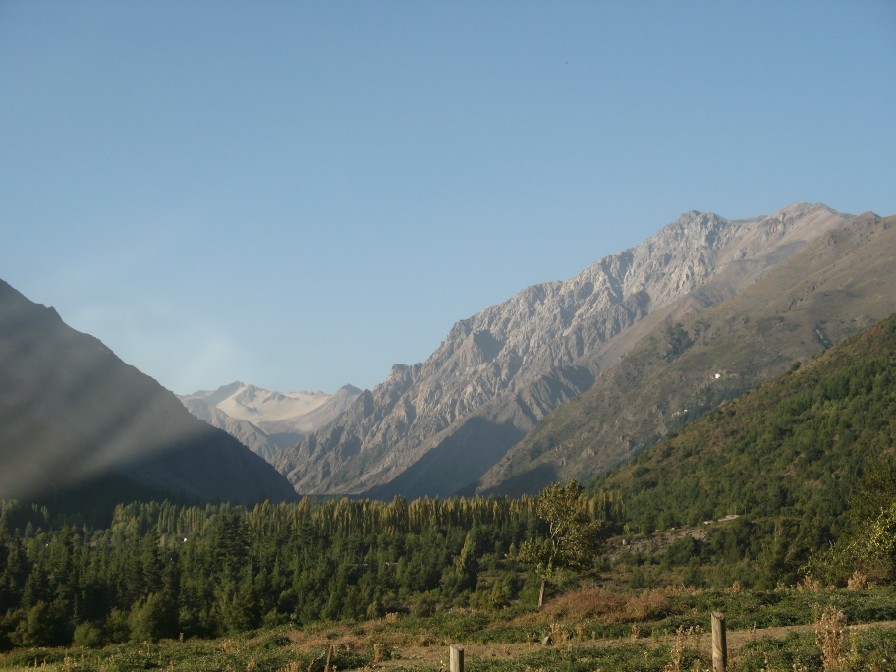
x,y
301,194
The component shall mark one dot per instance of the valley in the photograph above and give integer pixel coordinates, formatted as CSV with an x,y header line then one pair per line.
x,y
734,437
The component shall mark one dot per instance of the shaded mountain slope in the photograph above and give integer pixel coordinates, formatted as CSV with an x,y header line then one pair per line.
x,y
501,371
683,367
71,411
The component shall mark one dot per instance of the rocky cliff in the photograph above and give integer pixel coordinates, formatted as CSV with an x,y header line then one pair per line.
x,y
683,367
436,427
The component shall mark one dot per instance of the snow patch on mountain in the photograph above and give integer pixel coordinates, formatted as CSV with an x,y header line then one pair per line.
x,y
266,420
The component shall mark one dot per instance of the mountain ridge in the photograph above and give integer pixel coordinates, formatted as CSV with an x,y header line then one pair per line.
x,y
691,362
511,364
71,412
267,421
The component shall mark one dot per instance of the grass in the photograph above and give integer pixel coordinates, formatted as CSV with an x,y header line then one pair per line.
x,y
270,653
592,628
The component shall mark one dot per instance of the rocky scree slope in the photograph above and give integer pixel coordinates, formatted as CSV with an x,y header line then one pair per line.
x,y
437,427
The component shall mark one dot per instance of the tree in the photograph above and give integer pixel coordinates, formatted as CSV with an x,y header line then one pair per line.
x,y
572,539
153,618
868,543
466,565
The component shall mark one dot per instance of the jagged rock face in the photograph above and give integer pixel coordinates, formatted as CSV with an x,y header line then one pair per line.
x,y
681,369
244,431
433,428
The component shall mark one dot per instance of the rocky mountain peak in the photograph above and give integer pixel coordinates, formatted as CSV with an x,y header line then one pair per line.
x,y
516,361
214,397
265,420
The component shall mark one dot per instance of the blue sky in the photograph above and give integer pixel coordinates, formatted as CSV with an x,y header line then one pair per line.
x,y
301,194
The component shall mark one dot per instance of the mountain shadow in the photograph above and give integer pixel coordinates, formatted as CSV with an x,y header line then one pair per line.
x,y
71,411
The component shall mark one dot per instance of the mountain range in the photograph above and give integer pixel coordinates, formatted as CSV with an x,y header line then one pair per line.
x,y
267,421
74,417
839,284
458,422
565,380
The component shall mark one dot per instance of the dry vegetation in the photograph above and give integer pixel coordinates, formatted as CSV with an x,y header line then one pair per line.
x,y
583,630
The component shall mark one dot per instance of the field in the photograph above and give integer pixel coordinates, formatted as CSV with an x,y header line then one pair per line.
x,y
588,629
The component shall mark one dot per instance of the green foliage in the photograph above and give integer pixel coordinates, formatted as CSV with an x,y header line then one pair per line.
x,y
787,456
668,626
152,618
873,649
572,536
867,547
87,634
160,570
268,654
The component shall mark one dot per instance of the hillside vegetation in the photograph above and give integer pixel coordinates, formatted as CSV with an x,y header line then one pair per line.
x,y
786,456
695,360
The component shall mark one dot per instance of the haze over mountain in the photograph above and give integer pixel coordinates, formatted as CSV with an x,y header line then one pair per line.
x,y
71,412
267,421
439,427
600,366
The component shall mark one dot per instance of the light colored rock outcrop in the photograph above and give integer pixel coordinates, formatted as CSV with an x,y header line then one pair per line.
x,y
268,421
433,428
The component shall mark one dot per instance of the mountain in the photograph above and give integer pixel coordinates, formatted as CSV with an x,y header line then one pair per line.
x,y
690,363
438,427
793,446
268,421
73,415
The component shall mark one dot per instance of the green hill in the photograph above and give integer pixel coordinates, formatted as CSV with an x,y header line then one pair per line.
x,y
793,447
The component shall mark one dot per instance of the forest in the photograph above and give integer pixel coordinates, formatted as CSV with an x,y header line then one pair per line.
x,y
161,570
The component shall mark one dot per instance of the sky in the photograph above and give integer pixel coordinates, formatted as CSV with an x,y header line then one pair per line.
x,y
299,195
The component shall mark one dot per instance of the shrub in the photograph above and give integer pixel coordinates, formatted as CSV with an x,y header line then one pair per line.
x,y
89,635
648,606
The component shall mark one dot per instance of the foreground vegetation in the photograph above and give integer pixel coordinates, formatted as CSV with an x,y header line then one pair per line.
x,y
804,628
646,607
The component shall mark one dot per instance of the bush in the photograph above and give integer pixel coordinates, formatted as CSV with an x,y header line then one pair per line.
x,y
649,606
89,635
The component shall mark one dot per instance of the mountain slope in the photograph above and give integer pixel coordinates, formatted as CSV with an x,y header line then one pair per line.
x,y
501,371
838,285
794,445
267,421
244,431
71,411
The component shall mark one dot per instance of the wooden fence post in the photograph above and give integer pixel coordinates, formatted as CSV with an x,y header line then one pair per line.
x,y
457,658
719,643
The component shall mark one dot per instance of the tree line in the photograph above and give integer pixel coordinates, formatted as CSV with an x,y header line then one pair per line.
x,y
161,570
